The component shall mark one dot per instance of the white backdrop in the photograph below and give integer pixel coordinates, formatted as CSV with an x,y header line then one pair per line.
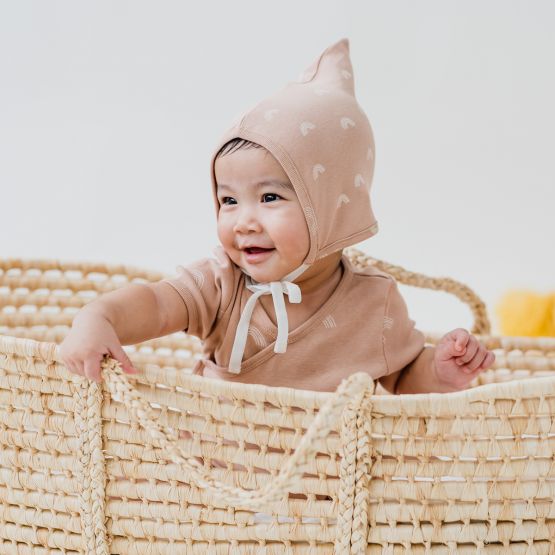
x,y
109,112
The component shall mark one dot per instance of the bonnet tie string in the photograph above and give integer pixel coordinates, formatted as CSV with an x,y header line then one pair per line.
x,y
277,289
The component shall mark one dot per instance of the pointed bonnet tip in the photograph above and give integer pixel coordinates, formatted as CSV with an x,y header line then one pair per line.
x,y
342,46
342,43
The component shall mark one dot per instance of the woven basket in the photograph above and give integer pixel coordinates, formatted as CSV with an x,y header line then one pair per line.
x,y
164,462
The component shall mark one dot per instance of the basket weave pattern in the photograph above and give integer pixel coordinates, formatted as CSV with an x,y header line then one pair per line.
x,y
166,462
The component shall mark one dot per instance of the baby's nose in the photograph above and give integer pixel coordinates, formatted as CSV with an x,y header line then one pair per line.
x,y
247,221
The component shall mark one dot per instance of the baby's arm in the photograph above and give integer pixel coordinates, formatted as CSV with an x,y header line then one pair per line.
x,y
456,360
126,316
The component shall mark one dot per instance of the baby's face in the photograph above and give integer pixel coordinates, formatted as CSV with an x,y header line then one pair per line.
x,y
261,224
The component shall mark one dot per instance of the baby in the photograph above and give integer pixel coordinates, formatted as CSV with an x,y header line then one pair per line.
x,y
279,303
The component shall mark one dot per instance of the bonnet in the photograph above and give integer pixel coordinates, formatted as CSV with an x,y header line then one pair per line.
x,y
315,128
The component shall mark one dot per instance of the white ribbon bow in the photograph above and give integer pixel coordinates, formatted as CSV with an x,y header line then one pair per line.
x,y
277,289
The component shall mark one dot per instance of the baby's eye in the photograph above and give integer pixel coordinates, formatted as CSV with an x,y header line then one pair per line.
x,y
228,200
269,197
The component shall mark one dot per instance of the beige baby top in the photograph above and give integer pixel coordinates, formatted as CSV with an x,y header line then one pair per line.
x,y
363,326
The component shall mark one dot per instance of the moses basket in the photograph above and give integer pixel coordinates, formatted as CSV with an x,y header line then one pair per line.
x,y
164,462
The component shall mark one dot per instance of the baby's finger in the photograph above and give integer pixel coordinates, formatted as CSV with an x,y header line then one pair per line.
x,y
477,360
447,347
121,356
74,368
471,350
92,369
488,361
460,337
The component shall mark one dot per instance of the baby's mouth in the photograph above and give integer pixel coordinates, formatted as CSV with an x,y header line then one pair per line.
x,y
256,255
256,250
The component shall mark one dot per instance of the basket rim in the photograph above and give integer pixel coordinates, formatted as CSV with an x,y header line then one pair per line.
x,y
476,400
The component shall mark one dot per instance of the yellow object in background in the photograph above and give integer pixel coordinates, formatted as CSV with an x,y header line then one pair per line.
x,y
527,313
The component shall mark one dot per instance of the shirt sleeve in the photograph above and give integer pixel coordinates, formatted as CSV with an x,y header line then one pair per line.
x,y
402,342
206,288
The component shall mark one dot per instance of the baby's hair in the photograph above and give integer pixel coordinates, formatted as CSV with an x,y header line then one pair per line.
x,y
236,144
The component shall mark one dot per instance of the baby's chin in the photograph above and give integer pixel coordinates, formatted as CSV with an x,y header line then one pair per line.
x,y
262,275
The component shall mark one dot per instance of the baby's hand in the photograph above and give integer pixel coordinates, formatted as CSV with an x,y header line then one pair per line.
x,y
90,338
459,357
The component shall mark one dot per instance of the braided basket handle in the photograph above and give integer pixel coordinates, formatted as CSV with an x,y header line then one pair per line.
x,y
350,392
481,326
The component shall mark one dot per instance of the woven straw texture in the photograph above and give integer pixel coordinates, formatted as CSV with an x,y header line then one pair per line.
x,y
164,462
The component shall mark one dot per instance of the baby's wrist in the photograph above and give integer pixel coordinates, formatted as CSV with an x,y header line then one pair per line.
x,y
90,315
